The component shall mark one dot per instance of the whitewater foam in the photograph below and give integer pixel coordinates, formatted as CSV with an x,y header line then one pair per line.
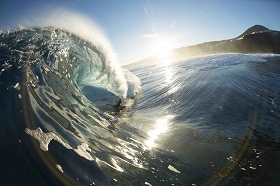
x,y
170,167
17,86
82,150
133,83
44,140
59,168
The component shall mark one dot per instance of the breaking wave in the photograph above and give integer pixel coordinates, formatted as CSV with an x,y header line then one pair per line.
x,y
69,115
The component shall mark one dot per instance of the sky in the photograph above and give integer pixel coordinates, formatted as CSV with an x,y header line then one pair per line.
x,y
134,27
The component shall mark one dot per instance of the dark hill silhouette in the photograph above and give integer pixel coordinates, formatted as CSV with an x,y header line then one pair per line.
x,y
255,28
256,39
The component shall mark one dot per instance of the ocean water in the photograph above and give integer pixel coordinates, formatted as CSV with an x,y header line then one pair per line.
x,y
69,115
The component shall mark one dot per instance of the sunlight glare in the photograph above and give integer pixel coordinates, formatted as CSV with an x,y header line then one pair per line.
x,y
161,126
162,46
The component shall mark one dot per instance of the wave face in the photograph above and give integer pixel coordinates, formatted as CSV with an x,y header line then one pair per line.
x,y
218,114
70,116
60,87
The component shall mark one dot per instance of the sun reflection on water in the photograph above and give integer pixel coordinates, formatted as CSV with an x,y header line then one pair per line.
x,y
161,126
167,71
168,75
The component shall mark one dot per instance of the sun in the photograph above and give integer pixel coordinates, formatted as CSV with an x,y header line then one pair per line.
x,y
162,46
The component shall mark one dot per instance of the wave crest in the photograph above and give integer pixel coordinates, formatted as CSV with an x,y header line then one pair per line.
x,y
87,63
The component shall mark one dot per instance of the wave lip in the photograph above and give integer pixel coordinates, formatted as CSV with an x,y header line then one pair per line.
x,y
93,48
